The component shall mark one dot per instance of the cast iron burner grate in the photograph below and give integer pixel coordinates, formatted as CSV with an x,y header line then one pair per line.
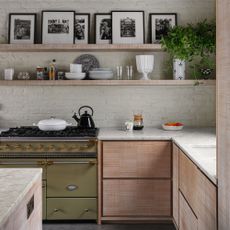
x,y
70,131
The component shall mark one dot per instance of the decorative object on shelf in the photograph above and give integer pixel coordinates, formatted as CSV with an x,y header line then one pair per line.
x,y
128,27
101,74
23,76
88,62
160,23
40,73
145,65
178,69
52,70
129,72
103,28
9,74
76,68
119,72
75,72
58,27
82,28
22,28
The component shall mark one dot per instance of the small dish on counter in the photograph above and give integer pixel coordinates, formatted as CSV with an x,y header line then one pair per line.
x,y
75,76
173,126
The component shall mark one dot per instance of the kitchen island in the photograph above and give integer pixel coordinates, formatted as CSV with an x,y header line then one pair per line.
x,y
20,199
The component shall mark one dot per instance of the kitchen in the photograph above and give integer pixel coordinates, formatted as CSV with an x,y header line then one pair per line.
x,y
114,102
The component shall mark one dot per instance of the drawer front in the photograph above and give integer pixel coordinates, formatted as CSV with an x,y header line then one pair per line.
x,y
188,221
72,178
139,159
136,198
71,209
189,181
24,163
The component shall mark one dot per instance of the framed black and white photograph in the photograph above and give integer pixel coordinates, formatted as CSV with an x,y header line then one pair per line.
x,y
160,24
103,28
22,28
128,27
58,27
81,28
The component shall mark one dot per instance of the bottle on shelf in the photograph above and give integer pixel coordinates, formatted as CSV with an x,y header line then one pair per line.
x,y
52,70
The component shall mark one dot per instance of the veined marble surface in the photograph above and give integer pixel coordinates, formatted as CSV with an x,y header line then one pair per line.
x,y
199,144
15,183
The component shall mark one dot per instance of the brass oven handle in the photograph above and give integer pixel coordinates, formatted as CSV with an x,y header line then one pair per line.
x,y
92,162
18,163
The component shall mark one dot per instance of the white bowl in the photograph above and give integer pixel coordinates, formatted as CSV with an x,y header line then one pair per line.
x,y
172,128
75,76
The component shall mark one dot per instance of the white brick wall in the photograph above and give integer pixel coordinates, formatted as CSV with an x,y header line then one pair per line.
x,y
24,105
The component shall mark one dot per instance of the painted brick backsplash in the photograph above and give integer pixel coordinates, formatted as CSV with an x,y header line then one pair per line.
x,y
195,106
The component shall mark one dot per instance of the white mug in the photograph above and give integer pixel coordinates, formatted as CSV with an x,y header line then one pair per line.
x,y
75,68
129,125
9,74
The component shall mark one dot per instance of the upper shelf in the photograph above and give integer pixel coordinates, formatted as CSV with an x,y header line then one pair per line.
x,y
106,83
79,47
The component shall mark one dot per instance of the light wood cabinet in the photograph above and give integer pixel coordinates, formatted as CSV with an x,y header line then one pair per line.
x,y
136,197
199,192
136,180
188,220
139,159
175,176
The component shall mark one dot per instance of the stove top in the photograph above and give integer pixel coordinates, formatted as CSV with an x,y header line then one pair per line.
x,y
71,132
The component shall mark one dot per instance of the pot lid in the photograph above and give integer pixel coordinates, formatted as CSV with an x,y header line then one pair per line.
x,y
52,121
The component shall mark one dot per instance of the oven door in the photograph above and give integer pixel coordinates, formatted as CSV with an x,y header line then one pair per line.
x,y
72,178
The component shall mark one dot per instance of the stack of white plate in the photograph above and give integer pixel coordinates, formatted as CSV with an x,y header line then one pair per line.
x,y
101,74
75,76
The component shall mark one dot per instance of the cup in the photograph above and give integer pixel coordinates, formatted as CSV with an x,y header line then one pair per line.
x,y
9,74
128,125
75,68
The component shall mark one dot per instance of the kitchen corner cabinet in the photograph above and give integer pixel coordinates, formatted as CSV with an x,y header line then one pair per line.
x,y
136,180
197,207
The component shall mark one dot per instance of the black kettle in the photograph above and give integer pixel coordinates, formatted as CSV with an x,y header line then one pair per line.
x,y
85,121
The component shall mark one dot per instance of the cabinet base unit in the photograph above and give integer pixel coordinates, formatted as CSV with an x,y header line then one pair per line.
x,y
71,209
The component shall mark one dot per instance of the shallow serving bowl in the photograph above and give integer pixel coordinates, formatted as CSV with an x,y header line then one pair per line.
x,y
101,75
172,128
75,76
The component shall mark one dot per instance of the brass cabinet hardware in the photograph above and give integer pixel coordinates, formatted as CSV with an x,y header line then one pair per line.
x,y
86,210
71,187
57,210
41,163
17,163
92,162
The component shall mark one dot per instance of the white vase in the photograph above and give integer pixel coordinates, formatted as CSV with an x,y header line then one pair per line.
x,y
145,65
178,69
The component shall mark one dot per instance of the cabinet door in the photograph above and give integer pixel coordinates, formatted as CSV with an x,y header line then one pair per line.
x,y
189,181
137,159
175,184
72,178
125,198
188,220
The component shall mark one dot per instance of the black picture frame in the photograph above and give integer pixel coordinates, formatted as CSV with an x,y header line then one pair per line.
x,y
109,41
152,39
57,11
33,41
88,27
128,11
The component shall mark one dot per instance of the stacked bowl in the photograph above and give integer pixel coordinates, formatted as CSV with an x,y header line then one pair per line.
x,y
101,74
75,72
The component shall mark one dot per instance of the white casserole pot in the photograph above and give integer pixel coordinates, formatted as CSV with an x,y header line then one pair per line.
x,y
52,124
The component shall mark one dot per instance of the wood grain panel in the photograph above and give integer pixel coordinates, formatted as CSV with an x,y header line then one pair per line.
x,y
189,181
136,198
188,220
176,184
137,159
223,113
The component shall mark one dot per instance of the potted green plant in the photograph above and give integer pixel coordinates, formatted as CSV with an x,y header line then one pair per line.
x,y
184,43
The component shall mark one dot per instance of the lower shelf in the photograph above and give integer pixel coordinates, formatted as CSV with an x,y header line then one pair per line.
x,y
107,83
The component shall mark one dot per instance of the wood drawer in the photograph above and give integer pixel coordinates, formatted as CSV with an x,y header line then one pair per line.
x,y
189,181
188,220
137,159
72,178
71,208
136,197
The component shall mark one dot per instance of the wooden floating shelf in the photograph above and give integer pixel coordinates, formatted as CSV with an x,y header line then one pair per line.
x,y
79,47
106,83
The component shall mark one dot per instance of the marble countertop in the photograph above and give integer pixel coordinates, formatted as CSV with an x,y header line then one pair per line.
x,y
199,144
15,183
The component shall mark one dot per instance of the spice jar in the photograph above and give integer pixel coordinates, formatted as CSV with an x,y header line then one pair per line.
x,y
138,123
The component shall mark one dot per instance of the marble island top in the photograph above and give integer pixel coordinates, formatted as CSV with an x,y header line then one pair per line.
x,y
15,183
199,144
